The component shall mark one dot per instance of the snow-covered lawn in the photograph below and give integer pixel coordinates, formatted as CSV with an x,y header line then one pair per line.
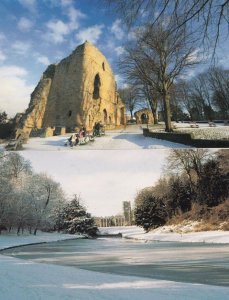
x,y
23,279
208,133
203,131
124,139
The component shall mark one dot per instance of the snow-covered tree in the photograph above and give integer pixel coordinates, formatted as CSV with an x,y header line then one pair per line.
x,y
43,193
77,220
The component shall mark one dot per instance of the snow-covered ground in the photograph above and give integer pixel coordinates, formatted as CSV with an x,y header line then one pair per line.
x,y
204,131
13,240
169,233
123,139
23,279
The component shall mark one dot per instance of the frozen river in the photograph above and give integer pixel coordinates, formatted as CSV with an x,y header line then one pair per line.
x,y
182,262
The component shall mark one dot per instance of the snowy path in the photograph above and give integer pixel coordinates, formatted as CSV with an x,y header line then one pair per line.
x,y
124,139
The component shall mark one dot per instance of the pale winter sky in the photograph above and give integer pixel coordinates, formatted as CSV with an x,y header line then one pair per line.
x,y
35,33
103,178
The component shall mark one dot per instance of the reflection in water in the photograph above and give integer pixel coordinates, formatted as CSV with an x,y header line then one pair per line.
x,y
184,262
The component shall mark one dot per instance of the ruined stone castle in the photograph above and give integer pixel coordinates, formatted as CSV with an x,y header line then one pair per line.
x,y
78,91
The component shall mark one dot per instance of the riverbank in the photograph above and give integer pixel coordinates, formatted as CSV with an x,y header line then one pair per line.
x,y
171,233
24,279
13,240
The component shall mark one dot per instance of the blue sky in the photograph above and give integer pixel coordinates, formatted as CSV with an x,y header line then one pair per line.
x,y
35,33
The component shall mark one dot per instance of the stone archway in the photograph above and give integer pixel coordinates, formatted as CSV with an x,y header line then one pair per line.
x,y
144,118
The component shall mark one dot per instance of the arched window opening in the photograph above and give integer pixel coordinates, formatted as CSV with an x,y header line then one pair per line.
x,y
70,113
97,84
103,65
105,116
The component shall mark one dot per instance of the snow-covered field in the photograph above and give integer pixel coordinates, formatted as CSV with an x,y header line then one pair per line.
x,y
124,139
22,279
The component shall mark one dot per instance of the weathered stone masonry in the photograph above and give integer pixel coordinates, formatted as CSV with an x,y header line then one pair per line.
x,y
79,90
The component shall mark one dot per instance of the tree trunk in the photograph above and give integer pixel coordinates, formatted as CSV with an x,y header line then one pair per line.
x,y
155,118
18,229
35,231
166,100
153,106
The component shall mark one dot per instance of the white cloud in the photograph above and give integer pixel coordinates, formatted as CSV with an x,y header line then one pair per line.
x,y
118,79
25,24
57,30
65,3
2,56
117,30
21,48
132,35
119,50
29,4
43,60
194,56
14,92
74,18
91,34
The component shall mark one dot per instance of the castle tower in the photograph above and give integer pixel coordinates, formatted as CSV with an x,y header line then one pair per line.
x,y
79,91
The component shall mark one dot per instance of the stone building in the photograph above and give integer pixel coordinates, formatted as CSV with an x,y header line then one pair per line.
x,y
127,212
144,116
110,221
78,91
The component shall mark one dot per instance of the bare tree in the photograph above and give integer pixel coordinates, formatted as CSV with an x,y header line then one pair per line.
x,y
14,165
158,57
152,98
219,84
211,16
206,96
130,98
189,162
